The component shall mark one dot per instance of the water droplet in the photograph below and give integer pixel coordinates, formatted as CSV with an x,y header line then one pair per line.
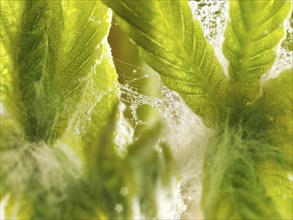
x,y
122,107
134,70
77,130
118,208
272,118
124,191
2,109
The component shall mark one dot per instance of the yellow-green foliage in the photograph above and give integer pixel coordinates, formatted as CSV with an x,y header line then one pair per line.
x,y
59,91
248,161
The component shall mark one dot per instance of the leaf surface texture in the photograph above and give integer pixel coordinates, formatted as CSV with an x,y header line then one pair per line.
x,y
253,33
172,43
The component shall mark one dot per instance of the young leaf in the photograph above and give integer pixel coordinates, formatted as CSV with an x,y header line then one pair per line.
x,y
276,109
288,41
52,60
172,43
37,53
35,177
254,30
231,186
116,181
84,76
261,148
150,163
10,23
43,41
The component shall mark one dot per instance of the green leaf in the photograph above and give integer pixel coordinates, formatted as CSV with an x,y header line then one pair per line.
x,y
232,188
288,41
59,88
37,53
254,30
278,183
151,163
250,163
10,22
35,177
276,108
106,175
84,74
119,180
172,43
52,63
